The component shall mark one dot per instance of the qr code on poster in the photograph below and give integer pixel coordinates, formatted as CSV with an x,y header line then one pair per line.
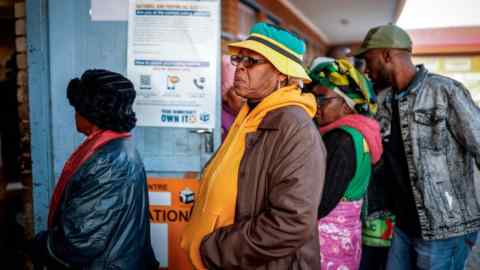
x,y
145,82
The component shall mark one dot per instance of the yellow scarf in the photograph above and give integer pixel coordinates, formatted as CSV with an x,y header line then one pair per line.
x,y
216,201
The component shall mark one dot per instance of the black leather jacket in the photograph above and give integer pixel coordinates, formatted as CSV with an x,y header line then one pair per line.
x,y
102,221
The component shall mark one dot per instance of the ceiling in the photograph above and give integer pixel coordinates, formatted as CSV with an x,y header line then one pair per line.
x,y
347,21
465,14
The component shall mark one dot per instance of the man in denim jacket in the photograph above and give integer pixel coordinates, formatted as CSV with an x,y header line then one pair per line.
x,y
431,132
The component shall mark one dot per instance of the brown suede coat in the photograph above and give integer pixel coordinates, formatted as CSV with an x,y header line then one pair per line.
x,y
280,183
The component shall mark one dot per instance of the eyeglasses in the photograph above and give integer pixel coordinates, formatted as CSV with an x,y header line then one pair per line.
x,y
246,60
322,100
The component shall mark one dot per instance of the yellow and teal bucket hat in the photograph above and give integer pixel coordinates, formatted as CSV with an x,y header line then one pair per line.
x,y
283,49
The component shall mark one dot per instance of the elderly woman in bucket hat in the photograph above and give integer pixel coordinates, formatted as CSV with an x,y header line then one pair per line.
x,y
256,208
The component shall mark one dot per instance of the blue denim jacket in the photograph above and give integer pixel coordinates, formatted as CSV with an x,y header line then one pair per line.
x,y
440,126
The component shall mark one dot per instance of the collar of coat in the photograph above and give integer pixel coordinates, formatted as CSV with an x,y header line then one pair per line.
x,y
415,85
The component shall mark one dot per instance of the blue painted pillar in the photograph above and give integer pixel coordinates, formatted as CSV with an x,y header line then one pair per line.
x,y
40,110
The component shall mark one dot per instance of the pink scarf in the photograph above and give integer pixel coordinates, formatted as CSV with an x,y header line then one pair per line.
x,y
369,128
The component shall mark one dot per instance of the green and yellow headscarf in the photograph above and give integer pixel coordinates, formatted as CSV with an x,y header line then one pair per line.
x,y
341,77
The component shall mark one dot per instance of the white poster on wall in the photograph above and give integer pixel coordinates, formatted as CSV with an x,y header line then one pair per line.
x,y
173,53
109,10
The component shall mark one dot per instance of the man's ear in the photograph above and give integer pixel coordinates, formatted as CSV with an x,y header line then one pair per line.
x,y
387,55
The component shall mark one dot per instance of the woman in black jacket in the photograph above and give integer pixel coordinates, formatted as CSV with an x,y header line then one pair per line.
x,y
98,216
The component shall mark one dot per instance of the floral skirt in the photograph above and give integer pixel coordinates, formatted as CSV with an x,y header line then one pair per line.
x,y
340,234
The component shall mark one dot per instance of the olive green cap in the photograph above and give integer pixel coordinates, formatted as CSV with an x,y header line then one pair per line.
x,y
387,36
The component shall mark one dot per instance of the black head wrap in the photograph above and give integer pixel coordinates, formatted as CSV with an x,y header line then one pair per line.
x,y
104,98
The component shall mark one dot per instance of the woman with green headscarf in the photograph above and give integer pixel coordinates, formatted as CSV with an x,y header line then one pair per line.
x,y
345,101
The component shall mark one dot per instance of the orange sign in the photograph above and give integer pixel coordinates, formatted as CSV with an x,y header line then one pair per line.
x,y
171,201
